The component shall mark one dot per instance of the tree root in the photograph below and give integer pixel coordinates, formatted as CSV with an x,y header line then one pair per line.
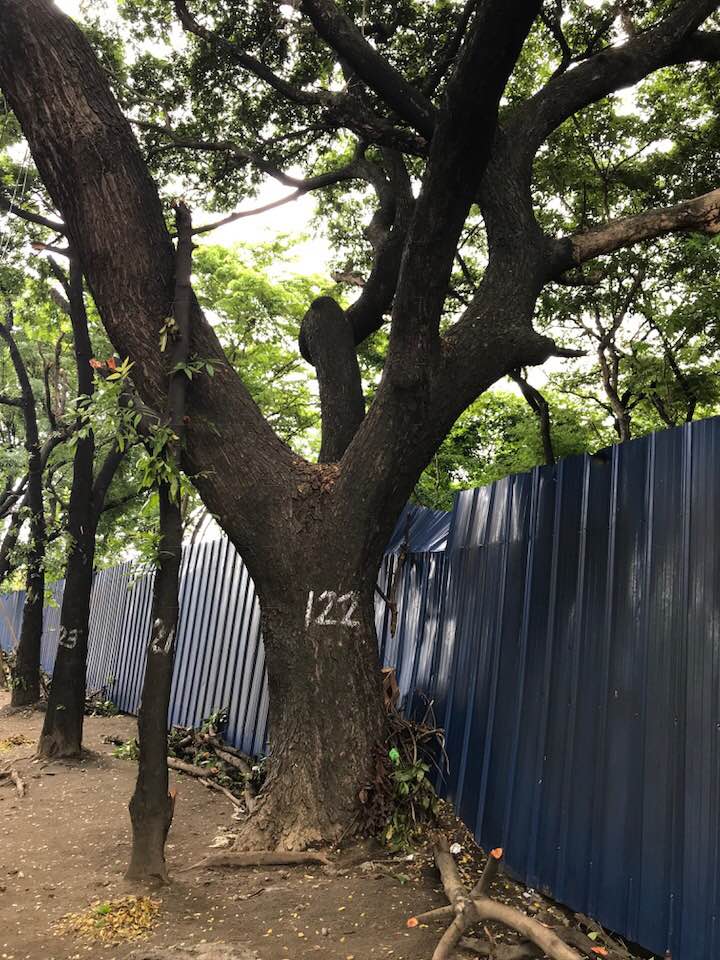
x,y
260,858
21,787
469,907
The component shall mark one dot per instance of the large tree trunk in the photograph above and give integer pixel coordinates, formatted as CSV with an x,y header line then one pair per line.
x,y
62,730
326,708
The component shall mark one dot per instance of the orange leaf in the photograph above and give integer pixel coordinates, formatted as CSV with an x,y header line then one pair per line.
x,y
497,853
112,363
96,364
413,922
600,951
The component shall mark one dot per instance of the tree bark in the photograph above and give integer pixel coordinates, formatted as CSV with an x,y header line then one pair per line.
x,y
327,340
326,714
151,806
541,408
63,726
26,673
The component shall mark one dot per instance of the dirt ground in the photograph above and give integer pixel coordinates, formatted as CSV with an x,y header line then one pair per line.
x,y
65,846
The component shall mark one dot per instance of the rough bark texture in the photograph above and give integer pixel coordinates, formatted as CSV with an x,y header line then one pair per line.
x,y
328,341
325,689
63,725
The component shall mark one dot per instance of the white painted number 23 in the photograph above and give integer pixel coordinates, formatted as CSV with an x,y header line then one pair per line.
x,y
332,606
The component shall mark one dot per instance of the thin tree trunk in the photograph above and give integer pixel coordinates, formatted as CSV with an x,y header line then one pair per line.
x,y
151,806
62,729
541,408
26,675
8,544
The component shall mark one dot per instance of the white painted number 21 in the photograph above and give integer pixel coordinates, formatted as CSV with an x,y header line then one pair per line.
x,y
331,606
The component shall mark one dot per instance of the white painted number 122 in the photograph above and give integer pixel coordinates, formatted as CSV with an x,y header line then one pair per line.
x,y
330,599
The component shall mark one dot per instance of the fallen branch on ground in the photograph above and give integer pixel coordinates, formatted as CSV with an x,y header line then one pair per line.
x,y
211,785
204,755
260,858
189,768
470,907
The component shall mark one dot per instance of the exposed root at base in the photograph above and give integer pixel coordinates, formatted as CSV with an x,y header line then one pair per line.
x,y
20,784
271,828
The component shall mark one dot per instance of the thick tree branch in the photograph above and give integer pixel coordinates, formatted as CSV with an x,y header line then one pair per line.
x,y
386,232
700,214
93,169
673,40
329,341
449,54
339,109
459,154
338,30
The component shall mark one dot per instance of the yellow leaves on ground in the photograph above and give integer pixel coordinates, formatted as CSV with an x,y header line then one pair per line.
x,y
18,740
112,921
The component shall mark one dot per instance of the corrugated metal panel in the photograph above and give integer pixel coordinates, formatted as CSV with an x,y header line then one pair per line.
x,y
566,625
579,680
420,530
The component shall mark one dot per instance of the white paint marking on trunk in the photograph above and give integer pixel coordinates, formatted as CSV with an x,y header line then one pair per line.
x,y
163,642
308,610
68,640
331,600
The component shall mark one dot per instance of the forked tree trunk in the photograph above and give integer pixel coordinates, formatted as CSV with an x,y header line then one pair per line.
x,y
151,806
326,708
63,726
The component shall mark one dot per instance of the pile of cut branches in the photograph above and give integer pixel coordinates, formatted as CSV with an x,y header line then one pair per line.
x,y
532,937
99,704
202,753
401,801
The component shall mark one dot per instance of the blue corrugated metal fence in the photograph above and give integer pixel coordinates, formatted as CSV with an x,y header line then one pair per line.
x,y
566,624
